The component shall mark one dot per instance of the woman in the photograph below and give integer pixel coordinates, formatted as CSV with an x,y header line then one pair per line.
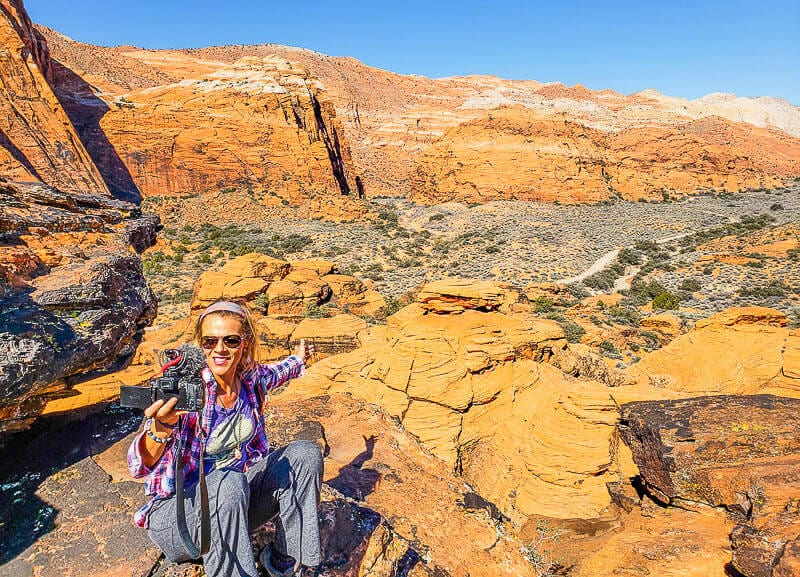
x,y
247,484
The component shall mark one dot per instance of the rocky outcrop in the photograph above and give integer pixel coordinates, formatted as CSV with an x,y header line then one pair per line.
x,y
471,372
752,352
73,295
518,154
286,289
739,453
37,139
275,135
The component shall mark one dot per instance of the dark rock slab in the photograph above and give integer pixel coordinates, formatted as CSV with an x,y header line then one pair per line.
x,y
87,313
92,532
712,450
741,453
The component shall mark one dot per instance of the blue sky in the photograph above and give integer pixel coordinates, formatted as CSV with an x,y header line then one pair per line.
x,y
681,48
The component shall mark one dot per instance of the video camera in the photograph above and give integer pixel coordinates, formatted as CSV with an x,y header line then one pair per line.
x,y
180,378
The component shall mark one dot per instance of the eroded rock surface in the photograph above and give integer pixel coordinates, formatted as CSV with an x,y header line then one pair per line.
x,y
738,453
73,297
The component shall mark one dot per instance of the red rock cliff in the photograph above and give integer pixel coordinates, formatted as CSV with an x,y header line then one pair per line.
x,y
37,139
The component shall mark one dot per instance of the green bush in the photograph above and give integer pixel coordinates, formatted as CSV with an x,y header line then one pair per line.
x,y
690,285
435,217
666,301
643,292
775,288
610,350
625,315
572,330
542,304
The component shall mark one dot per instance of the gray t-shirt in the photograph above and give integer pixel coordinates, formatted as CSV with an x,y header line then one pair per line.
x,y
230,431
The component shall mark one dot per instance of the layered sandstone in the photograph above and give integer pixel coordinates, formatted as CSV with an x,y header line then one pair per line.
x,y
37,140
260,125
518,154
482,138
72,294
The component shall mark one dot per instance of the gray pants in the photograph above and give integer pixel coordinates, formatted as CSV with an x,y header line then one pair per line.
x,y
285,485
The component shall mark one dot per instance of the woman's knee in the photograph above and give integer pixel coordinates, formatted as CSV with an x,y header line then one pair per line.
x,y
229,490
304,455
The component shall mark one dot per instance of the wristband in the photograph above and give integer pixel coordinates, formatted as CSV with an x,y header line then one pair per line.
x,y
154,437
166,425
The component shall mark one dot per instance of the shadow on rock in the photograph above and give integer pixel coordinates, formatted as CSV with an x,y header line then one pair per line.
x,y
353,480
85,110
45,454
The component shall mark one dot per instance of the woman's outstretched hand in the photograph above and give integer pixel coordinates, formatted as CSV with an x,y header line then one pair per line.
x,y
304,352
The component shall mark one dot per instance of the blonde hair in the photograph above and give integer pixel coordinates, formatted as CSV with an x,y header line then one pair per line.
x,y
250,354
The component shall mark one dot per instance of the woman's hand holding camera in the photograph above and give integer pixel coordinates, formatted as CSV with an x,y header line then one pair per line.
x,y
164,415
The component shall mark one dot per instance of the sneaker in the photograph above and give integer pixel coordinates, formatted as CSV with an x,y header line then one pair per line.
x,y
265,558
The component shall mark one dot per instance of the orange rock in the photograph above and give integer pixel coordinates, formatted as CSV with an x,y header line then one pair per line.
x,y
457,295
747,346
40,142
344,286
668,324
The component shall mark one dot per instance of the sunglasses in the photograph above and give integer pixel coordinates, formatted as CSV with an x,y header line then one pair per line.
x,y
230,342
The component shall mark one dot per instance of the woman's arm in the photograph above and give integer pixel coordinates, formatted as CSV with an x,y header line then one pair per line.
x,y
149,446
274,375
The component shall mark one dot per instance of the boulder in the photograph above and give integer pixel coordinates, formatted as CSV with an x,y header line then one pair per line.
x,y
752,352
85,311
740,453
457,295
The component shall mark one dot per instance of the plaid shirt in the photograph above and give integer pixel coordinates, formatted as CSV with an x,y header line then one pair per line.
x,y
193,431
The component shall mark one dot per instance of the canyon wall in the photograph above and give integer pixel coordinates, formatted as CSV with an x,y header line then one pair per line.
x,y
37,140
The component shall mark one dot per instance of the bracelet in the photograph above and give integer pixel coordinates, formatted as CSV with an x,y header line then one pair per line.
x,y
154,437
166,425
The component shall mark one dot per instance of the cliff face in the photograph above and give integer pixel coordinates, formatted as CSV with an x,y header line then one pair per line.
x,y
470,138
165,124
515,153
37,140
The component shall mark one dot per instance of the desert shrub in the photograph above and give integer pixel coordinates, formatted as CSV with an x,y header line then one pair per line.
x,y
666,301
604,280
260,302
542,304
643,292
610,350
629,256
314,311
776,206
775,288
492,249
435,217
651,339
577,291
690,285
625,315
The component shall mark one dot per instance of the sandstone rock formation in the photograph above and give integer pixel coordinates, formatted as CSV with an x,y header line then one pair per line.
x,y
72,294
752,353
261,125
738,453
517,154
37,140
471,138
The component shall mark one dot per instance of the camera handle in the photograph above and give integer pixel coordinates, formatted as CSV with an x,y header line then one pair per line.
x,y
205,519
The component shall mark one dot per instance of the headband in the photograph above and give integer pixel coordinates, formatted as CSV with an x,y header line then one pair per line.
x,y
224,306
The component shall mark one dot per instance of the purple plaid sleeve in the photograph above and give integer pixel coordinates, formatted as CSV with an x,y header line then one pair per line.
x,y
274,375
